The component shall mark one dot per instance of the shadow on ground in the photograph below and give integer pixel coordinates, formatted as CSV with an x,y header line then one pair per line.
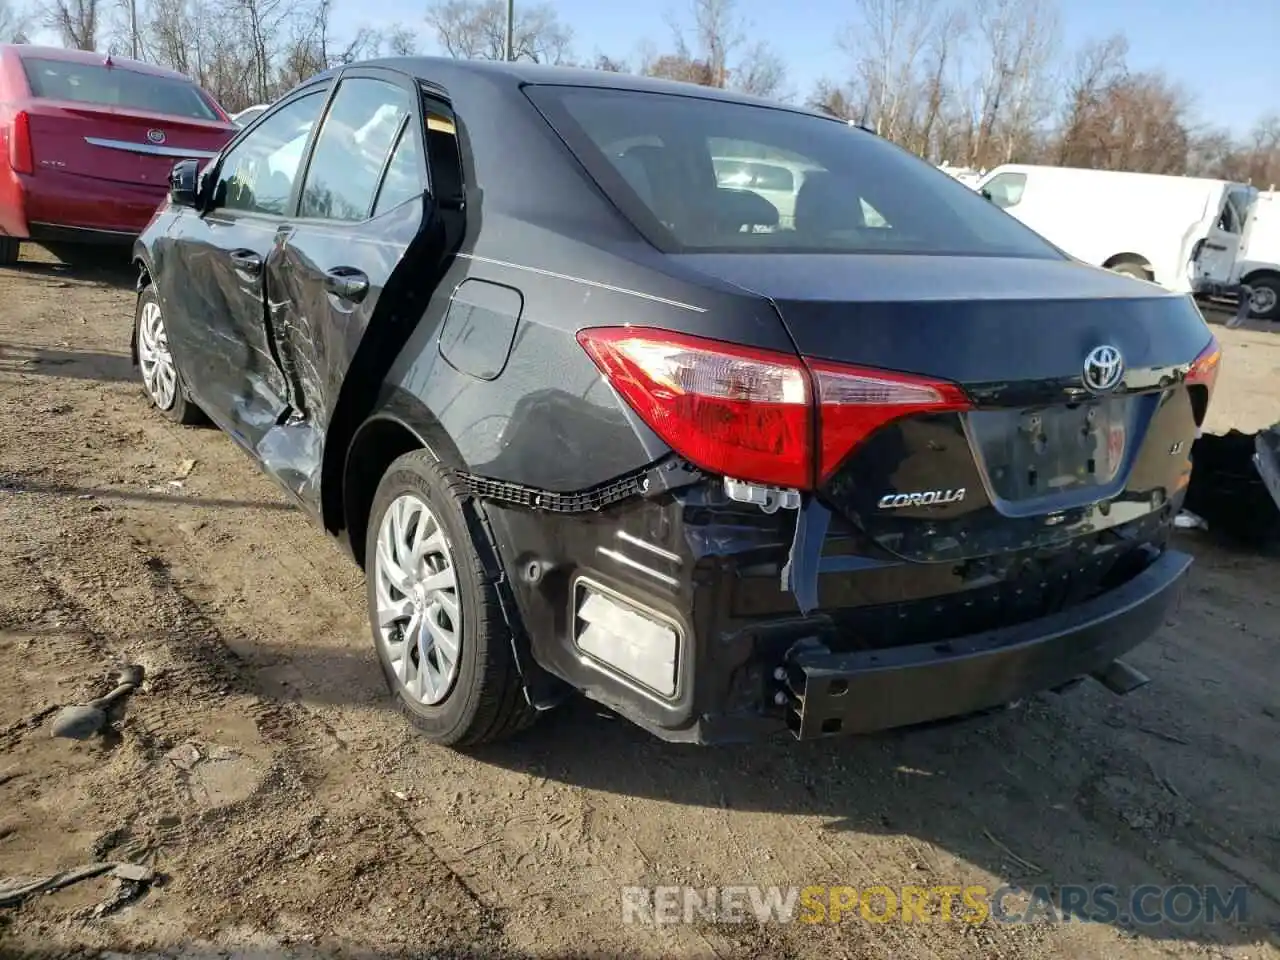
x,y
111,266
71,364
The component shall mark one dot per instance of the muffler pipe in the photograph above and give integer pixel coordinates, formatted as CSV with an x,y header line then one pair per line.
x,y
1120,678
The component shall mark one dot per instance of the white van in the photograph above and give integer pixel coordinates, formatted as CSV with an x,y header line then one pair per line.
x,y
1258,266
1183,233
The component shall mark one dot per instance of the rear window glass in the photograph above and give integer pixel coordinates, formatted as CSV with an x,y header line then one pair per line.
x,y
696,174
115,87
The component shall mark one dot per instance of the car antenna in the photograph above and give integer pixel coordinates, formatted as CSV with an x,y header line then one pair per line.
x,y
107,62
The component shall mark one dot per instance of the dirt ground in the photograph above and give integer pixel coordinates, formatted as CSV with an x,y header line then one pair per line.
x,y
289,811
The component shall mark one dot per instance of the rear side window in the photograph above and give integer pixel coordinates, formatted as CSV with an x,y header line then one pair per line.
x,y
403,179
115,87
697,174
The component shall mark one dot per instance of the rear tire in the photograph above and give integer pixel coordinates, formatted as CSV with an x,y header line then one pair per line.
x,y
10,251
161,379
1264,304
426,582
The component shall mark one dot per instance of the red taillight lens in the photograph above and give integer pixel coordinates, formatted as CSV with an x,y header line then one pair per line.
x,y
21,158
1204,369
728,409
855,403
749,413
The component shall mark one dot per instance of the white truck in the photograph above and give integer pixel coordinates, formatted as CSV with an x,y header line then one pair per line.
x,y
1183,233
1258,266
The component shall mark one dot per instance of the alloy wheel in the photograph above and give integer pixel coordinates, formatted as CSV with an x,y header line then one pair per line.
x,y
159,375
419,620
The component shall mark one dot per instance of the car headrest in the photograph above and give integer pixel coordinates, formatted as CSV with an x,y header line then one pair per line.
x,y
736,209
824,205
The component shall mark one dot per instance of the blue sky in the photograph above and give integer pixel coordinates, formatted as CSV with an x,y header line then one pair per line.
x,y
1222,51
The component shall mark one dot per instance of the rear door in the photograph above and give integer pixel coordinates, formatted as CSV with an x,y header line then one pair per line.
x,y
116,124
360,215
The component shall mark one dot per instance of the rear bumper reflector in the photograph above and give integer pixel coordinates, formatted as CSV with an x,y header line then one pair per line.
x,y
840,693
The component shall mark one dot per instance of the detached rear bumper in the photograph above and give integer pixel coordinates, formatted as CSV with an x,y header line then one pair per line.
x,y
841,693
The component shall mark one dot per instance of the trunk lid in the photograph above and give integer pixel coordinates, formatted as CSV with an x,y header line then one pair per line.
x,y
118,145
1041,457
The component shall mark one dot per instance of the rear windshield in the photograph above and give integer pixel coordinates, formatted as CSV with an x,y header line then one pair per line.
x,y
696,174
115,87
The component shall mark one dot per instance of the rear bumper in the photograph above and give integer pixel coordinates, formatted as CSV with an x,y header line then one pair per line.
x,y
748,665
863,692
63,207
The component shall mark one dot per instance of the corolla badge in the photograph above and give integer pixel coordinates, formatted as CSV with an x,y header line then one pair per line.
x,y
921,498
155,136
1103,369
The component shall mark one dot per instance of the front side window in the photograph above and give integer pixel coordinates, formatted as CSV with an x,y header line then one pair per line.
x,y
697,174
363,124
257,175
105,86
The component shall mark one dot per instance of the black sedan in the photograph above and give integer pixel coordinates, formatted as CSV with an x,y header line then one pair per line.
x,y
734,417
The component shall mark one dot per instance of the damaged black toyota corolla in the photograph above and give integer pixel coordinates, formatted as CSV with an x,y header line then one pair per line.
x,y
727,414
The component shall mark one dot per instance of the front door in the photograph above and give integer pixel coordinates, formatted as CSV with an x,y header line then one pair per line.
x,y
360,210
1221,248
242,383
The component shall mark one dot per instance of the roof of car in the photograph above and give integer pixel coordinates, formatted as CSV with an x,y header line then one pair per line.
x,y
440,69
26,50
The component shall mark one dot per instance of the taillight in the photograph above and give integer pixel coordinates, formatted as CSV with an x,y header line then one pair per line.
x,y
21,158
750,413
854,403
728,409
1204,369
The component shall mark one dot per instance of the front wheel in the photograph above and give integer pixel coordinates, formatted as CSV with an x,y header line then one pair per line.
x,y
160,377
438,628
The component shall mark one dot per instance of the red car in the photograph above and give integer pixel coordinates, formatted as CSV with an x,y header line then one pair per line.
x,y
89,141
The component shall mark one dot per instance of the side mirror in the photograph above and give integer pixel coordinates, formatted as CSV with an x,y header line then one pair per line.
x,y
986,194
184,182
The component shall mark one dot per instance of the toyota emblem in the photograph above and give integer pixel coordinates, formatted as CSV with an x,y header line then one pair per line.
x,y
1103,369
155,136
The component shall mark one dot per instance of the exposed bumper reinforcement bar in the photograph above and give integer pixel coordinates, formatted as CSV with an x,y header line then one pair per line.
x,y
831,694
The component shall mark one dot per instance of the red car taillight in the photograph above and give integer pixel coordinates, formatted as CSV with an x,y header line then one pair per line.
x,y
754,414
21,158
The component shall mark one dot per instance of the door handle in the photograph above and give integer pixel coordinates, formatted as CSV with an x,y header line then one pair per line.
x,y
347,283
1214,246
246,261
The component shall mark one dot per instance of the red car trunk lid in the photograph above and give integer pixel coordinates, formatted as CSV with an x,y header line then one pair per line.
x,y
123,146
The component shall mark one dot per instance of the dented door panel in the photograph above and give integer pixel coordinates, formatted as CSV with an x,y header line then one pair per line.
x,y
320,324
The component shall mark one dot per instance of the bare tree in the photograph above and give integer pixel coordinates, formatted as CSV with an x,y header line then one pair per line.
x,y
1099,67
1013,97
400,41
76,22
476,29
15,24
717,54
886,44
